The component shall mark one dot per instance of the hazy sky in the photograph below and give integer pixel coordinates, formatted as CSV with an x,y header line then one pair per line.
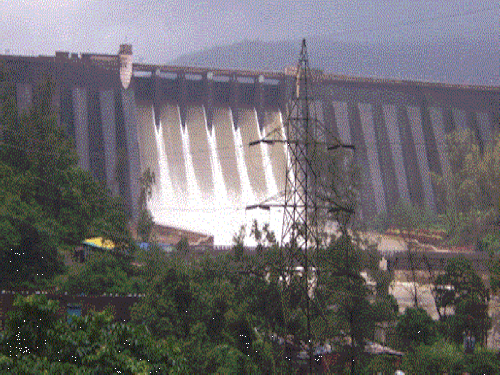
x,y
161,30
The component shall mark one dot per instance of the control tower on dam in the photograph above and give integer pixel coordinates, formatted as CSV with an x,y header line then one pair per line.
x,y
193,126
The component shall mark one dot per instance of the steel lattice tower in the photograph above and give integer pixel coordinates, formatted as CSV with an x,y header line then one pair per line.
x,y
306,185
305,137
303,134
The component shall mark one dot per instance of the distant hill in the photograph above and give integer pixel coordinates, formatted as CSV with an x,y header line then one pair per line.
x,y
446,60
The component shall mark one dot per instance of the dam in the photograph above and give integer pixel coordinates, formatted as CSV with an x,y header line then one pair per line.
x,y
192,128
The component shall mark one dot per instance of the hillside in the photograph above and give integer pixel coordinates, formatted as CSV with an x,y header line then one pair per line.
x,y
447,60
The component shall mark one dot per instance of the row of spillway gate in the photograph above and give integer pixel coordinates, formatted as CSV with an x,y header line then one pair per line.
x,y
205,177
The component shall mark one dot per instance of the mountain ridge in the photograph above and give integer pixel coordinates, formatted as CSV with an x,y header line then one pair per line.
x,y
447,60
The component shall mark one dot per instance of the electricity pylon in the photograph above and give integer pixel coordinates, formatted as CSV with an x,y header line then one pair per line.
x,y
305,177
307,172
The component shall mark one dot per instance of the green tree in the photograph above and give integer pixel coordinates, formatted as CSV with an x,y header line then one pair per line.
x,y
469,190
145,222
32,257
47,203
37,339
104,273
341,298
28,325
182,246
416,327
439,358
170,305
152,262
462,290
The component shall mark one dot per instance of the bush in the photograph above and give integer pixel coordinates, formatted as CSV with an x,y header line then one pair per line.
x,y
416,327
442,357
490,242
104,273
224,359
381,364
482,362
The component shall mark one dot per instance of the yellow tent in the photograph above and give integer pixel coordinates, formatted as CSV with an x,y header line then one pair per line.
x,y
99,242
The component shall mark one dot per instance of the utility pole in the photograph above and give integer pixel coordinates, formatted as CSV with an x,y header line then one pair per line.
x,y
306,141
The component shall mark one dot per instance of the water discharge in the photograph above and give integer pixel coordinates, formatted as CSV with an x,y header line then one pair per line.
x,y
192,184
163,170
247,193
204,177
272,188
219,186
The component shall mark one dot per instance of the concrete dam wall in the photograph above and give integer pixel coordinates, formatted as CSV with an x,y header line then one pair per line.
x,y
193,126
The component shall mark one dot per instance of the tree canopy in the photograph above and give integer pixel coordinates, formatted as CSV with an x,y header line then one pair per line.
x,y
462,300
47,203
468,191
38,339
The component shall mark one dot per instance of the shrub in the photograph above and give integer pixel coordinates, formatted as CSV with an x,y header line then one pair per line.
x,y
416,327
381,364
442,357
482,362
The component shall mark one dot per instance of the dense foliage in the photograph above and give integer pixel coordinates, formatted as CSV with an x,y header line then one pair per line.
x,y
467,196
462,291
38,340
468,191
416,327
47,203
103,272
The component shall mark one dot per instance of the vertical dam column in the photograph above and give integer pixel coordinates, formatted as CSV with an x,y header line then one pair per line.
x,y
129,116
24,96
385,156
415,118
318,113
396,150
277,152
430,140
342,117
449,121
331,123
166,188
410,157
194,193
272,187
81,127
437,122
459,117
368,193
372,152
248,196
109,133
96,136
483,122
148,150
220,192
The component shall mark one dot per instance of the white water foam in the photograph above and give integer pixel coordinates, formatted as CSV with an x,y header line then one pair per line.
x,y
216,213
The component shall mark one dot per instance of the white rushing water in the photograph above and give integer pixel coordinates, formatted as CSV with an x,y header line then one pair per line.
x,y
179,200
